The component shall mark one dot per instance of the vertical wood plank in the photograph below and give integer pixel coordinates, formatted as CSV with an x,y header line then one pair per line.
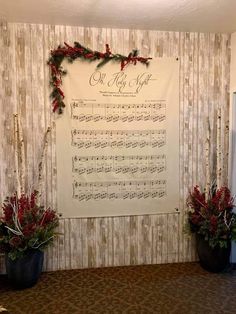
x,y
76,245
144,240
127,251
102,242
118,241
133,227
159,236
91,235
109,226
67,244
172,238
61,245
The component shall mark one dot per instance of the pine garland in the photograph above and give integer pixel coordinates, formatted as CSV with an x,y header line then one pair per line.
x,y
78,51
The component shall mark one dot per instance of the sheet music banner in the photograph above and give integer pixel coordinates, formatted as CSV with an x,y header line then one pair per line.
x,y
117,143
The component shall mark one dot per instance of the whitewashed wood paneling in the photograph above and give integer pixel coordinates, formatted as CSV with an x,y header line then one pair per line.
x,y
24,83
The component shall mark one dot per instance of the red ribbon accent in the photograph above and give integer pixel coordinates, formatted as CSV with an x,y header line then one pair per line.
x,y
67,51
89,55
133,60
108,51
55,105
122,65
61,92
57,82
53,69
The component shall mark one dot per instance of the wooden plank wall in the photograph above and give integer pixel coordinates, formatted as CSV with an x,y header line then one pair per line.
x,y
24,88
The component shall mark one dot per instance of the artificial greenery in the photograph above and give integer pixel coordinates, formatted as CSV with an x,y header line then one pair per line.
x,y
78,51
212,216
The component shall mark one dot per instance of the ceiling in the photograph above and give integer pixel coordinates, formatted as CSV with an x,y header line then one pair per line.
x,y
171,15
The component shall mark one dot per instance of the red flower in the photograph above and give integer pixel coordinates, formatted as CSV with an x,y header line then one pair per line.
x,y
33,199
29,229
196,199
8,211
48,217
15,241
213,224
222,199
195,219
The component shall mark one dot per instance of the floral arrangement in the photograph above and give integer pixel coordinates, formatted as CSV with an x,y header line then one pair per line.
x,y
26,225
211,215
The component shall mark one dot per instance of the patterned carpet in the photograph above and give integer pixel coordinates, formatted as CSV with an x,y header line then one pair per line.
x,y
171,288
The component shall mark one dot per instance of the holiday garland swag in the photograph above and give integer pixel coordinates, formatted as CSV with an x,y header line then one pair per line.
x,y
78,51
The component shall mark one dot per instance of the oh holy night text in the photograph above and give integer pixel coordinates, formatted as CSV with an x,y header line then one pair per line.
x,y
121,81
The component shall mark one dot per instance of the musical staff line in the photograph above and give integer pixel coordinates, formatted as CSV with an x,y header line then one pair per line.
x,y
118,138
85,191
119,164
116,118
159,104
107,112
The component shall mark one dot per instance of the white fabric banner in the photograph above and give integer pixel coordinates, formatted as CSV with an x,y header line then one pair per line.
x,y
117,142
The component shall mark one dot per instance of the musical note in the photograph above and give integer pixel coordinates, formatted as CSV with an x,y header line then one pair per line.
x,y
122,176
159,104
85,191
117,164
115,118
118,138
111,113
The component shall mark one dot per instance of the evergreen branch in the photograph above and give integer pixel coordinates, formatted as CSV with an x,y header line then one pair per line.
x,y
40,244
78,51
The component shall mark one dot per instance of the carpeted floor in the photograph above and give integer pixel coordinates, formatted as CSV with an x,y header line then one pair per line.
x,y
173,288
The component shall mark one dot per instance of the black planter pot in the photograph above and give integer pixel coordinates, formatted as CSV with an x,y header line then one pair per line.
x,y
24,272
211,259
